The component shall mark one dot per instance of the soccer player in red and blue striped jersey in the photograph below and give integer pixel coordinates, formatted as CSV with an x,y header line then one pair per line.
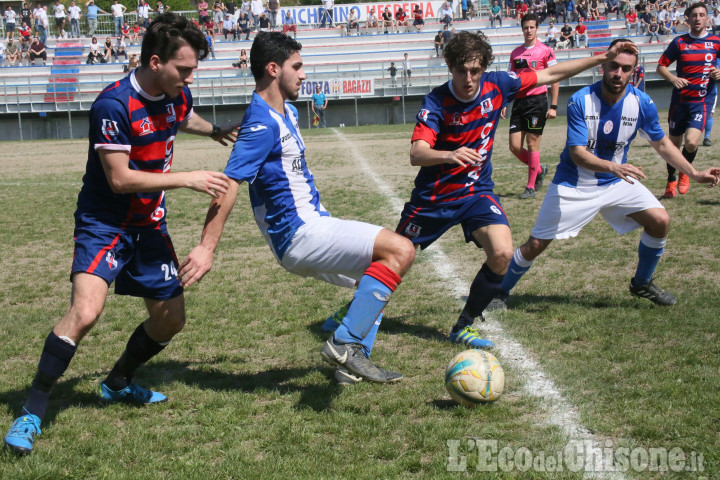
x,y
452,144
120,231
695,54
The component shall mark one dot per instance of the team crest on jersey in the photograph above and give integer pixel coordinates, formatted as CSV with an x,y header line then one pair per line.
x,y
534,122
486,106
423,114
146,126
171,117
110,259
608,127
456,119
708,45
109,129
413,230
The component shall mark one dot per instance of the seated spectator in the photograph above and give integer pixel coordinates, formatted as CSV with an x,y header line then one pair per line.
x,y
495,14
418,18
388,21
631,21
402,19
125,29
25,31
135,35
581,8
715,20
353,22
228,27
120,48
108,51
446,14
581,34
2,53
132,63
12,53
242,60
372,22
654,29
471,11
94,55
37,50
447,35
676,17
644,18
520,11
289,24
551,9
243,26
263,23
439,44
594,11
652,4
551,36
24,51
612,6
567,38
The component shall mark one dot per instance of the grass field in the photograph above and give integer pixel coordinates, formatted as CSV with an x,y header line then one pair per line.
x,y
249,395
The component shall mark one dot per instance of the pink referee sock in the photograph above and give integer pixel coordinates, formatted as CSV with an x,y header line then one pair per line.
x,y
533,168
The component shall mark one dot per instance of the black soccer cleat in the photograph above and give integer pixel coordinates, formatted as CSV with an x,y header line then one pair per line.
x,y
653,293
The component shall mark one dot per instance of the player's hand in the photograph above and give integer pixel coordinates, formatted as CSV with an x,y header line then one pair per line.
x,y
680,83
212,183
715,73
228,134
619,48
503,113
711,176
551,113
195,266
463,156
627,172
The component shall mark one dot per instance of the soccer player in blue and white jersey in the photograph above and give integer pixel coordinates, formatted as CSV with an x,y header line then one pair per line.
x,y
120,230
593,176
693,95
305,239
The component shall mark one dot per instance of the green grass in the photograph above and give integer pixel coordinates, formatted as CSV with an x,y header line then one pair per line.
x,y
249,396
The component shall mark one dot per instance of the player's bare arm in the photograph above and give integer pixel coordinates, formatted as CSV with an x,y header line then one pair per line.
x,y
423,155
670,153
625,171
197,125
677,82
554,93
123,179
563,70
199,260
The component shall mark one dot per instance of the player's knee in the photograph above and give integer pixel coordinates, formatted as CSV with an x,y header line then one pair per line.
x,y
659,224
404,254
515,150
175,324
84,317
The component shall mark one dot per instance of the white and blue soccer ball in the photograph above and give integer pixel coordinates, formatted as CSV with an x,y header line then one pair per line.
x,y
473,377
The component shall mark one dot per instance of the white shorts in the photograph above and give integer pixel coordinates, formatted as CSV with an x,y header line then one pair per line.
x,y
331,249
566,210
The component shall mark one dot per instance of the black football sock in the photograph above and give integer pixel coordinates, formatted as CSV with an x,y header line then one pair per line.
x,y
54,360
689,156
140,348
484,288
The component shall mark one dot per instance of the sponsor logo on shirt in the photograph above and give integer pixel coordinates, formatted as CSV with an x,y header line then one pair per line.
x,y
146,126
170,115
456,119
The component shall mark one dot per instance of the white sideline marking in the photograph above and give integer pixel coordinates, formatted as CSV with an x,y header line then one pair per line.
x,y
559,412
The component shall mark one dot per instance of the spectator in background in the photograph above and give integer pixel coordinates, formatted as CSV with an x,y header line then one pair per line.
x,y
327,13
715,20
203,14
74,13
471,11
92,16
644,18
118,12
520,11
26,15
290,26
393,74
210,38
228,27
120,48
37,15
654,29
136,34
418,18
569,7
12,54
25,31
125,29
243,25
242,62
446,14
551,35
256,8
24,51
318,105
676,18
594,10
447,35
439,43
495,14
161,7
108,51
581,9
37,50
59,10
263,23
132,63
581,34
143,15
551,9
401,19
94,55
407,69
567,37
631,21
353,22
612,6
372,22
218,13
509,6
10,21
2,54
388,20
273,9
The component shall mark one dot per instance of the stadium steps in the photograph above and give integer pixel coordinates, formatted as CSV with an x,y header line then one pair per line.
x,y
62,84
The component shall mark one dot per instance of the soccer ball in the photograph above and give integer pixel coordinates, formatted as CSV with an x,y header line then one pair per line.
x,y
473,377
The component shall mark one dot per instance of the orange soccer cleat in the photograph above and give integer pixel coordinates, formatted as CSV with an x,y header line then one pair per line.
x,y
683,184
670,190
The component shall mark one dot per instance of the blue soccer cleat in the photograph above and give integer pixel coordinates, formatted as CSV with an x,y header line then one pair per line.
x,y
471,337
133,393
22,433
334,320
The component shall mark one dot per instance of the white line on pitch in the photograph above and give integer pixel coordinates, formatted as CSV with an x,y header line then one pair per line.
x,y
560,412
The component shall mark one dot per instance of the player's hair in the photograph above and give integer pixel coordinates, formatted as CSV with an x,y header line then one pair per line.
x,y
527,18
275,47
466,47
695,5
166,34
631,52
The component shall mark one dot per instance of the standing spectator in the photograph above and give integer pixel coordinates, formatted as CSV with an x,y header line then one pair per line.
x,y
228,27
327,13
92,16
319,104
464,8
654,29
715,20
74,13
118,13
612,6
26,15
45,25
446,14
495,14
210,38
59,10
401,19
256,8
94,55
203,16
471,11
551,35
37,15
143,15
372,22
418,18
407,70
581,34
439,43
273,9
231,8
25,31
393,74
509,7
566,36
161,7
218,10
631,21
569,7
243,25
10,21
353,22
388,20
520,11
12,53
638,78
246,6
37,50
289,24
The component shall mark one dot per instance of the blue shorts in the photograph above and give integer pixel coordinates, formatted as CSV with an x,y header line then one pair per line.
x,y
687,115
422,225
141,264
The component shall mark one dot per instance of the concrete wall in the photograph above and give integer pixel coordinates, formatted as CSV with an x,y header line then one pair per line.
x,y
383,111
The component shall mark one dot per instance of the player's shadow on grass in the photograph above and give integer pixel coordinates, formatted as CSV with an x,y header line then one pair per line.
x,y
390,325
533,302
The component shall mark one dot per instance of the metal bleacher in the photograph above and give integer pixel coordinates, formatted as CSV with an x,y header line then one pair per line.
x,y
67,83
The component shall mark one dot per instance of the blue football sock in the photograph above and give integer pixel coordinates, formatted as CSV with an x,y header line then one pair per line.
x,y
372,294
708,126
517,268
369,341
649,253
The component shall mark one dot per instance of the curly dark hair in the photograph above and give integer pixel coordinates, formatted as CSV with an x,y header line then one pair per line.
x,y
466,47
529,17
166,34
269,47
